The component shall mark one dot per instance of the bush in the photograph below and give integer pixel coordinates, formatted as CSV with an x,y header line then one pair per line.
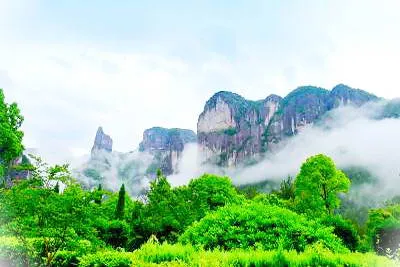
x,y
107,259
114,233
384,230
153,254
345,230
255,225
14,253
66,259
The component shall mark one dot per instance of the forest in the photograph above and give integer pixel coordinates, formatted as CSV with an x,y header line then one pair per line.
x,y
50,219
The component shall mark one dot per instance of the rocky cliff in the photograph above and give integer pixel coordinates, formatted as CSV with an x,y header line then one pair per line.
x,y
102,142
166,145
230,128
234,130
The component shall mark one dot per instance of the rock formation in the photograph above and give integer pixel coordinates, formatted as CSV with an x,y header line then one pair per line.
x,y
102,142
230,128
233,130
166,145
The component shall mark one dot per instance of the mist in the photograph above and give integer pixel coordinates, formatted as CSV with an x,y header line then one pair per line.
x,y
114,169
350,136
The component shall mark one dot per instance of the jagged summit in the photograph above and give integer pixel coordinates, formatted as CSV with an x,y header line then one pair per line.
x,y
102,142
232,128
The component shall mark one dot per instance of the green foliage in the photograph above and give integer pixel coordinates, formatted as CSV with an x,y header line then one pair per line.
x,y
210,192
170,211
286,190
66,258
345,230
108,258
10,136
120,208
257,225
32,209
318,184
154,254
230,131
115,233
98,195
384,230
301,93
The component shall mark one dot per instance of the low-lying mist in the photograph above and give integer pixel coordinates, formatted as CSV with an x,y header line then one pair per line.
x,y
353,137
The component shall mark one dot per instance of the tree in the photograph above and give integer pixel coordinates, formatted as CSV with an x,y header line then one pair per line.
x,y
120,209
57,188
98,195
287,188
318,184
10,136
255,225
210,192
170,211
32,209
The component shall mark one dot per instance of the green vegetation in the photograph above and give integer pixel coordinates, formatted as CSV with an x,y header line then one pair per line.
x,y
48,219
10,136
318,184
231,131
302,93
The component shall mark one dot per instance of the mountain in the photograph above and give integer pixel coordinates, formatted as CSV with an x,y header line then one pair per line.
x,y
102,142
166,145
161,148
233,130
230,128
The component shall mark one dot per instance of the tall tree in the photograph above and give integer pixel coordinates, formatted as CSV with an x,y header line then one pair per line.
x,y
10,136
287,188
120,209
98,195
318,184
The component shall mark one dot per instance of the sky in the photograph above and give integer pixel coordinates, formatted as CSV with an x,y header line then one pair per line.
x,y
74,65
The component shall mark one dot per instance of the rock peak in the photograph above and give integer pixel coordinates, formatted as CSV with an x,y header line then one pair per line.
x,y
102,142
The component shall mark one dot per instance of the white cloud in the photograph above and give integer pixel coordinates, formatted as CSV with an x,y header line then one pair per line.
x,y
67,87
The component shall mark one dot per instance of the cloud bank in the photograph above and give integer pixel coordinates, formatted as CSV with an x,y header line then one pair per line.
x,y
351,136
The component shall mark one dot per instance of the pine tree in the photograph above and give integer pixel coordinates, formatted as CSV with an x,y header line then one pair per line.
x,y
57,188
98,195
119,212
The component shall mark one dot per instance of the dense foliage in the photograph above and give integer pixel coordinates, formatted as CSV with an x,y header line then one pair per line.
x,y
49,219
318,184
258,225
10,136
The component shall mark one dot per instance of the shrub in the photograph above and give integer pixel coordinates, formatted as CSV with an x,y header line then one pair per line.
x,y
256,225
66,259
345,230
107,259
114,233
14,253
154,254
384,230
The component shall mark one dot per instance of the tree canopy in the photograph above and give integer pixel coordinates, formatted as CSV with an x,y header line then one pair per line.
x,y
10,135
318,184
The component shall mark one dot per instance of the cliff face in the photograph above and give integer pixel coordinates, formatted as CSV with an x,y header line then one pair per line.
x,y
166,145
230,128
102,142
234,130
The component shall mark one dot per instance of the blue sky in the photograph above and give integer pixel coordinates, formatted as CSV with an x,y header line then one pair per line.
x,y
130,65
